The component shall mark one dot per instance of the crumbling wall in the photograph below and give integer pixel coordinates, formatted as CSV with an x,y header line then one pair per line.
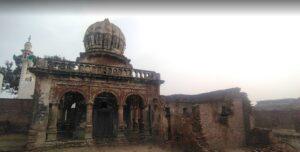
x,y
158,121
219,133
186,131
219,115
277,119
40,112
15,115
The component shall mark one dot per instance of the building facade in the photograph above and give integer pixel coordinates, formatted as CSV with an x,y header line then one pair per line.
x,y
99,96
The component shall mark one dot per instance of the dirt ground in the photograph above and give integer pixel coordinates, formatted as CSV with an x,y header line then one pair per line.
x,y
15,142
12,142
135,148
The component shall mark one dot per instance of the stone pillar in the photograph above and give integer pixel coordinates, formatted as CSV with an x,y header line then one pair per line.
x,y
121,136
141,119
130,127
146,117
136,117
89,121
52,127
121,117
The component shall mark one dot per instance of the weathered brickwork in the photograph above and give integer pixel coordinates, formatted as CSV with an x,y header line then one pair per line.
x,y
220,118
277,119
15,115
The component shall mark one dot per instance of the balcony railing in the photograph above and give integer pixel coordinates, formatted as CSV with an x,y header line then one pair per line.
x,y
70,66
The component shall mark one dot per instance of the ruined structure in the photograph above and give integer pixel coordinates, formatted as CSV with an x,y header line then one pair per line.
x,y
100,98
216,120
278,114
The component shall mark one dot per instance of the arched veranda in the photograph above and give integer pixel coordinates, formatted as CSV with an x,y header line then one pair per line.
x,y
71,116
133,113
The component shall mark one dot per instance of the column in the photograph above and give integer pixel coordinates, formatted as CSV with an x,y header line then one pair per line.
x,y
130,127
89,121
52,127
141,119
136,117
121,117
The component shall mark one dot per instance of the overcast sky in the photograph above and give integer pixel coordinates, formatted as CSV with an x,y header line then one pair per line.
x,y
194,52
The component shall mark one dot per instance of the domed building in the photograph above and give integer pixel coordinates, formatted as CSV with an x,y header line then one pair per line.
x,y
104,44
101,99
100,96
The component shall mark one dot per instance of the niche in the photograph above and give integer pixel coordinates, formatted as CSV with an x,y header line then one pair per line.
x,y
226,111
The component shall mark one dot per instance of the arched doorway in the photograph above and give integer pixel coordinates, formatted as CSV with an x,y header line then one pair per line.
x,y
105,116
133,113
72,116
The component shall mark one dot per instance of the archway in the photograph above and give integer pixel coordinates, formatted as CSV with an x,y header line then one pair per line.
x,y
72,116
133,113
105,116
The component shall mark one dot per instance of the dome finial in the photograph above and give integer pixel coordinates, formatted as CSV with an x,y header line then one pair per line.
x,y
106,20
27,45
29,38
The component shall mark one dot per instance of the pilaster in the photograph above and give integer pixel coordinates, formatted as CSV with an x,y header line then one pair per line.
x,y
89,121
52,127
121,117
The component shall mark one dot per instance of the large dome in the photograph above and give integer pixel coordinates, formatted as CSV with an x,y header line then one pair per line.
x,y
104,36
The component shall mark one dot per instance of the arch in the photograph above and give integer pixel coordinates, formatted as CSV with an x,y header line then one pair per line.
x,y
71,116
107,95
133,112
137,98
64,91
105,115
136,94
107,91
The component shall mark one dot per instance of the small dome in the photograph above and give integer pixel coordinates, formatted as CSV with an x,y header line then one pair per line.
x,y
27,46
104,36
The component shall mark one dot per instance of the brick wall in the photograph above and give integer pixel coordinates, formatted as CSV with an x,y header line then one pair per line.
x,y
220,135
220,128
15,115
276,119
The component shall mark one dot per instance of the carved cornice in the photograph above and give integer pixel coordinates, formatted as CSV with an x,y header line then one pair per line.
x,y
104,53
91,75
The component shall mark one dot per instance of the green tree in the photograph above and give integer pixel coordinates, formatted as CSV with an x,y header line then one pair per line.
x,y
7,72
17,71
11,75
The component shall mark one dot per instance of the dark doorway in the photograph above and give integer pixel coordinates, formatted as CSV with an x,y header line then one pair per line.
x,y
105,116
72,116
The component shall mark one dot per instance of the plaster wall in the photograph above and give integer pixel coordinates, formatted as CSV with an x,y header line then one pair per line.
x,y
27,81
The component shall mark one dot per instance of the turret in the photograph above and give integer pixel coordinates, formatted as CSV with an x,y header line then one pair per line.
x,y
27,79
